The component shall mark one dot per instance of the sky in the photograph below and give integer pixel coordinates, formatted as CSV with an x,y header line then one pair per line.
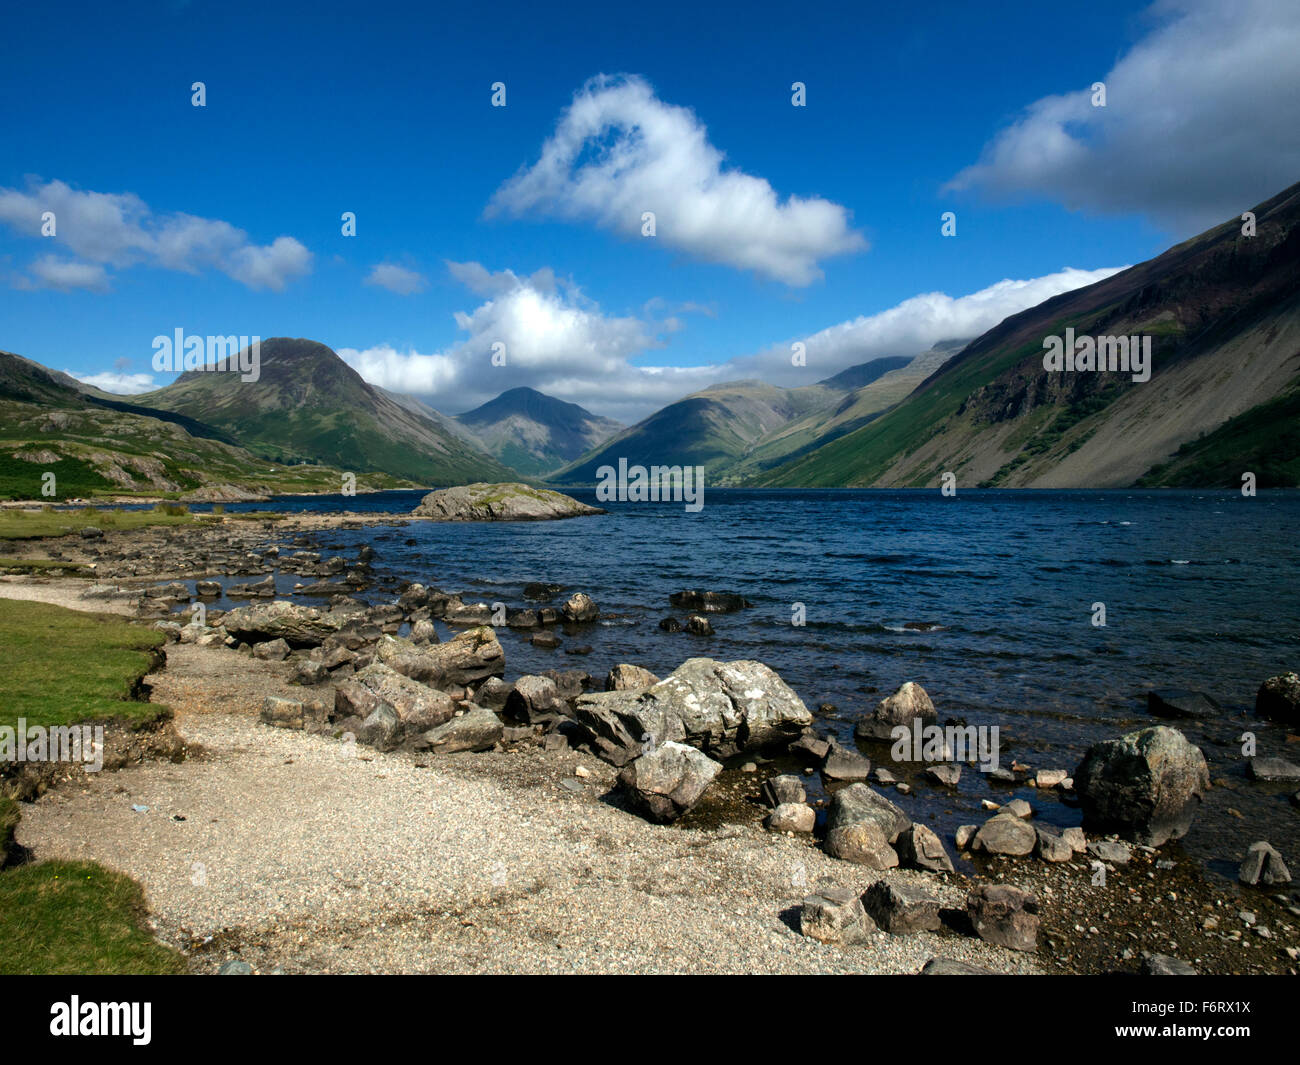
x,y
520,230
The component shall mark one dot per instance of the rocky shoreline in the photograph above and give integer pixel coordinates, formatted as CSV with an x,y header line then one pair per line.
x,y
708,747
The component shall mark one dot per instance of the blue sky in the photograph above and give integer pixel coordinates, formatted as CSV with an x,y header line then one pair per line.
x,y
226,218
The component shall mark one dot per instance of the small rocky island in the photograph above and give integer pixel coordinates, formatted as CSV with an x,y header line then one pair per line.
x,y
500,502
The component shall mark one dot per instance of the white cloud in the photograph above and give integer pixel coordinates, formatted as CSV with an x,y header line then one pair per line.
x,y
560,343
122,384
120,230
618,151
51,271
396,279
1202,122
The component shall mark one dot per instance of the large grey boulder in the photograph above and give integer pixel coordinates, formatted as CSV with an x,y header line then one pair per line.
x,y
722,708
417,706
1145,786
902,909
862,826
667,780
920,848
1278,699
1007,834
536,701
500,502
470,656
478,729
907,705
298,626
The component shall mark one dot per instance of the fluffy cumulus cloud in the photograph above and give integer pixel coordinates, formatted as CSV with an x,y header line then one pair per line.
x,y
396,279
557,341
618,152
122,384
119,230
1202,122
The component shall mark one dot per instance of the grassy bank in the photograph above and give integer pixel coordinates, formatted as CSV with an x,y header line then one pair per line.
x,y
77,918
18,524
66,666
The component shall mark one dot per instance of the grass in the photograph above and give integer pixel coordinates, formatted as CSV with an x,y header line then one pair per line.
x,y
63,667
77,918
34,524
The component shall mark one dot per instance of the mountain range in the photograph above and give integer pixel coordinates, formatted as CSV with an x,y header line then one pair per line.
x,y
1221,311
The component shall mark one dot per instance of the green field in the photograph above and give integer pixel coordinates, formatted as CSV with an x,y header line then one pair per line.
x,y
65,666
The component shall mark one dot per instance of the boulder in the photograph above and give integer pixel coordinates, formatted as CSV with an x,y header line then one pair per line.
x,y
863,844
537,701
709,602
919,848
424,632
1263,865
1052,847
1278,699
859,804
282,713
783,789
478,729
1005,834
580,607
910,703
723,708
417,706
670,625
271,650
624,678
500,502
699,625
901,909
1172,703
1144,786
792,817
1272,769
666,780
1004,915
470,656
298,626
845,763
835,915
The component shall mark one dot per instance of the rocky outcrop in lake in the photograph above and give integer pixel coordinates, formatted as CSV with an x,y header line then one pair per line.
x,y
500,502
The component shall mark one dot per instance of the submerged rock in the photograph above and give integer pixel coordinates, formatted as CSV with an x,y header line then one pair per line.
x,y
1145,786
723,708
709,602
1278,699
509,501
1181,704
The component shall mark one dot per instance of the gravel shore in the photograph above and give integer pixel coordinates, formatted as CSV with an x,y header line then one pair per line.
x,y
304,854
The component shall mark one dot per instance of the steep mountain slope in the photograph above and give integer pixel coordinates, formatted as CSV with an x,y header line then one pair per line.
x,y
309,405
535,433
1223,314
713,428
97,446
877,385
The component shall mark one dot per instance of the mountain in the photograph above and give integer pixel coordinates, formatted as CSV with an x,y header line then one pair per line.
x,y
308,405
535,433
713,428
739,429
875,387
1223,314
100,445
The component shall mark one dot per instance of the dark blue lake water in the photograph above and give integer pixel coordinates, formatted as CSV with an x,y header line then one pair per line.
x,y
1199,590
